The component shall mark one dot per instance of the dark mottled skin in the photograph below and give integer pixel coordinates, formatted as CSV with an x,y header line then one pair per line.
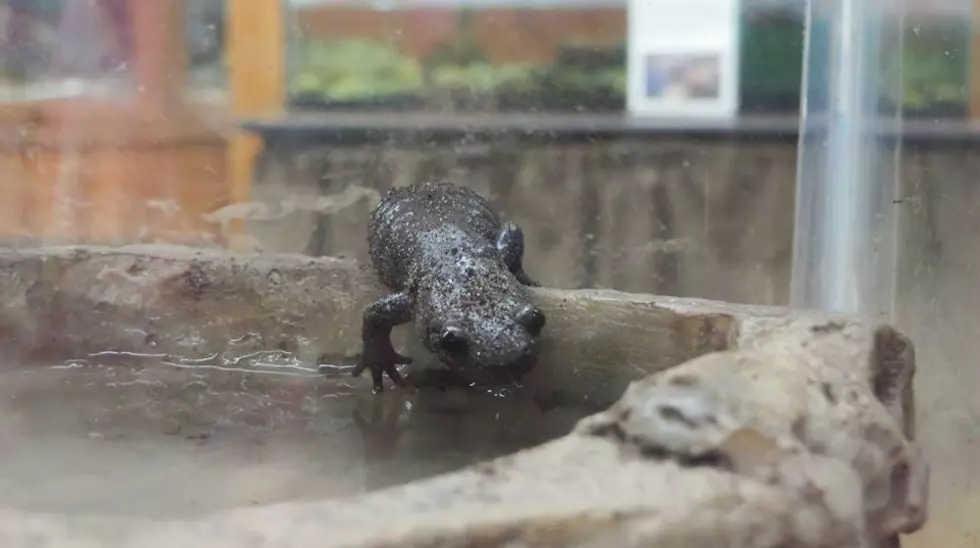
x,y
455,270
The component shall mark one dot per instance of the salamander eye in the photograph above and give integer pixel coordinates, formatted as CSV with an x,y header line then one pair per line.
x,y
452,340
532,319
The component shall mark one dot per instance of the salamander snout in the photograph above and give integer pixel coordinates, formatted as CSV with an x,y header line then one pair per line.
x,y
509,366
497,342
523,360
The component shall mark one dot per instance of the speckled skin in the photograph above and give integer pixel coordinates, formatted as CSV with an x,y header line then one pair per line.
x,y
455,268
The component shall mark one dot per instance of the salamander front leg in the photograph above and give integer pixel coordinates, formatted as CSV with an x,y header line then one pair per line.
x,y
510,244
379,318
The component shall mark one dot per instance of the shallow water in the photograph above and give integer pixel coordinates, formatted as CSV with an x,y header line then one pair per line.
x,y
144,437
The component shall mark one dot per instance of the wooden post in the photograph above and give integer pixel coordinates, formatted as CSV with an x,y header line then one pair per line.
x,y
256,52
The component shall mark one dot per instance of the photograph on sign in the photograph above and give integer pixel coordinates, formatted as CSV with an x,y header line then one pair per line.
x,y
683,58
695,76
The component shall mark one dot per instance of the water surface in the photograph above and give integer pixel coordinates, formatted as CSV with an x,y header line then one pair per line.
x,y
145,437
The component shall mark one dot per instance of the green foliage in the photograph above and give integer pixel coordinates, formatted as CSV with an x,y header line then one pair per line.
x,y
353,69
935,68
481,76
343,70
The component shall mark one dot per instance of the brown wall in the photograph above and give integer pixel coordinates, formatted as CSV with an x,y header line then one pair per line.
x,y
113,195
110,174
507,35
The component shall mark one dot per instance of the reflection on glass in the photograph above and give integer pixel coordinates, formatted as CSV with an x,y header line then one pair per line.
x,y
204,25
845,188
54,48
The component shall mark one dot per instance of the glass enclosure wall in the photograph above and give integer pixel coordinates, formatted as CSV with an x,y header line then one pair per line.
x,y
271,127
888,219
936,271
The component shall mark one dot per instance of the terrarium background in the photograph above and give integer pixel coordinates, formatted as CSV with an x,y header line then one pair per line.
x,y
565,59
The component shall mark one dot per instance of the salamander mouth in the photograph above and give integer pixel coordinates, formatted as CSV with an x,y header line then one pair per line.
x,y
522,366
505,372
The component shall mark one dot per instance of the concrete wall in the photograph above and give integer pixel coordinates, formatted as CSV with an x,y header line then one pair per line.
x,y
673,217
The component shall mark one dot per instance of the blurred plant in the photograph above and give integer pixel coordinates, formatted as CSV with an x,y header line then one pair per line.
x,y
341,71
351,69
934,68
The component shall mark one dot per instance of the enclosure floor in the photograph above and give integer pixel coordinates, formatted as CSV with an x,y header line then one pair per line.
x,y
160,441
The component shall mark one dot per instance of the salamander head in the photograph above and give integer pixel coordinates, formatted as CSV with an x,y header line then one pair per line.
x,y
479,320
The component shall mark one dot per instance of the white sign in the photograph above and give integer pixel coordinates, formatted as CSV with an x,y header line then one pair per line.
x,y
683,58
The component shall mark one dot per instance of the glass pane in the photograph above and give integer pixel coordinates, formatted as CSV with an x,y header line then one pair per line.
x,y
938,260
219,163
887,213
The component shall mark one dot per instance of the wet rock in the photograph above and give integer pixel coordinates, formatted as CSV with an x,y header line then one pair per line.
x,y
791,466
743,426
779,417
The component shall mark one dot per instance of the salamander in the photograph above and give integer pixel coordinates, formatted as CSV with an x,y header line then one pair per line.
x,y
455,269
